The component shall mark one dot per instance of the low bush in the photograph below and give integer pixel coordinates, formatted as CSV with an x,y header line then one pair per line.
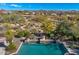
x,y
11,46
73,46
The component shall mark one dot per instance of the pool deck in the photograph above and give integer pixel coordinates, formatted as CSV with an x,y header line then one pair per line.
x,y
70,51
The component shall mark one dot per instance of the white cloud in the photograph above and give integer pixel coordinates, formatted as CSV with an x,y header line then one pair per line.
x,y
15,5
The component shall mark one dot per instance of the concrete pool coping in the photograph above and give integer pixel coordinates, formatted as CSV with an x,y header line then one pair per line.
x,y
52,54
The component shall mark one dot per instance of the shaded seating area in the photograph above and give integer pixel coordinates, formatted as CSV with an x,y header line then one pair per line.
x,y
2,44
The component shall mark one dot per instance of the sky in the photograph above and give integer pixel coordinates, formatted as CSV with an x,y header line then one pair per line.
x,y
39,6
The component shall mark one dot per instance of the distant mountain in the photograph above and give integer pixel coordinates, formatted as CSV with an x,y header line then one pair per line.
x,y
42,12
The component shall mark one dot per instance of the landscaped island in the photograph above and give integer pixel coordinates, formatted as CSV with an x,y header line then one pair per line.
x,y
39,32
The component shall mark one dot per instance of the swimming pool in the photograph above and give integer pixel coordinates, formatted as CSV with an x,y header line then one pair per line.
x,y
42,49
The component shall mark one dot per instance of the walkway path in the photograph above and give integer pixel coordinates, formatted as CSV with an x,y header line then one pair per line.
x,y
2,50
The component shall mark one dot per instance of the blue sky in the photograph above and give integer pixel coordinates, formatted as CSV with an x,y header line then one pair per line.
x,y
39,6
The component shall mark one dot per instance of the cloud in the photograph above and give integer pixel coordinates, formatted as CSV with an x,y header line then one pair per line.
x,y
15,5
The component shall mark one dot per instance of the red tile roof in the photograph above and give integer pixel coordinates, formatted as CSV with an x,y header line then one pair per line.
x,y
3,11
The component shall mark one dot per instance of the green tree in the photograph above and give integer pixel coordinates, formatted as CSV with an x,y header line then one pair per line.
x,y
48,26
9,35
63,29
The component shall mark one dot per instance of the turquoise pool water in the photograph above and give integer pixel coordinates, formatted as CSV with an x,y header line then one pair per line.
x,y
42,49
